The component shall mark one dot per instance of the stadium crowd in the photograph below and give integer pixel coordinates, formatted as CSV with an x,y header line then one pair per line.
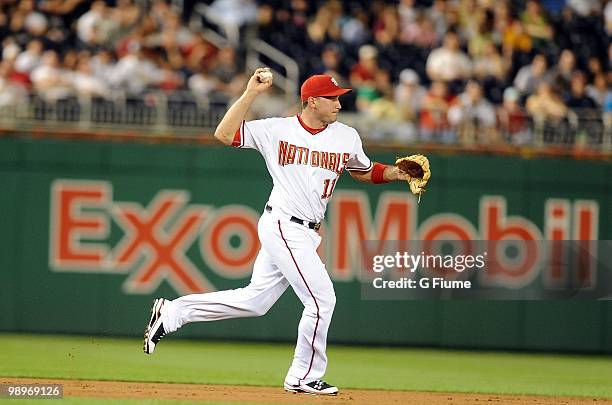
x,y
425,66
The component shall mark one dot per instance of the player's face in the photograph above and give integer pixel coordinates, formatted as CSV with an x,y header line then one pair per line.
x,y
327,108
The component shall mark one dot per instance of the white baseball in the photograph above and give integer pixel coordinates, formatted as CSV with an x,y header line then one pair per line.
x,y
265,76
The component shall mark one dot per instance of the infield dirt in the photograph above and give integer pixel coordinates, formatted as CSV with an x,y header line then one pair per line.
x,y
276,395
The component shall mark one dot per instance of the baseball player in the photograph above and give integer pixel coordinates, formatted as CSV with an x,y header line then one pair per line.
x,y
305,156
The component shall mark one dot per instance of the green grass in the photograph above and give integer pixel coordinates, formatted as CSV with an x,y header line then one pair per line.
x,y
184,361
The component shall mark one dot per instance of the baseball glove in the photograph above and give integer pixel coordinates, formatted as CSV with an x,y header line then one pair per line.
x,y
417,168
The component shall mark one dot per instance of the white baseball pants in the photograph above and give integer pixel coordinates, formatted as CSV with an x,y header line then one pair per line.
x,y
288,257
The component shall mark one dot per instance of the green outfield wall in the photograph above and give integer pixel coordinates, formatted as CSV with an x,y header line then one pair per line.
x,y
92,231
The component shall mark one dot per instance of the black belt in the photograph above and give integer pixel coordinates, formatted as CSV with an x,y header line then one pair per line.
x,y
312,225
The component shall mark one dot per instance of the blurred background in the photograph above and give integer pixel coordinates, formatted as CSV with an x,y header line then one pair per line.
x,y
114,191
477,73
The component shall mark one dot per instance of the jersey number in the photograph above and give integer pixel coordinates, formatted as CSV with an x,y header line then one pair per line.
x,y
327,190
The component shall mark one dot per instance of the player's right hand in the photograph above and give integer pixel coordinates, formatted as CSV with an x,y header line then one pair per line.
x,y
257,84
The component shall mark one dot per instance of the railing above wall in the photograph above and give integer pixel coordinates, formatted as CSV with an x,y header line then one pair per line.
x,y
256,50
288,82
184,116
155,113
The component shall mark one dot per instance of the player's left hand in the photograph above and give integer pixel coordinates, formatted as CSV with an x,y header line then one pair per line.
x,y
396,174
416,169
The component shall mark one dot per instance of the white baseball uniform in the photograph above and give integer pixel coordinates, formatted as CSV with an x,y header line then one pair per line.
x,y
305,165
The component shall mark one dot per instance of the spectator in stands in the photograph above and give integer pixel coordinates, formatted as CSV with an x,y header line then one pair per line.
x,y
231,15
536,24
512,117
50,80
70,59
354,29
583,110
364,75
502,20
482,35
68,10
578,99
10,49
199,53
386,27
268,28
126,13
159,11
170,42
420,33
468,18
12,93
381,87
10,52
225,68
490,64
580,34
545,104
562,73
437,15
17,21
408,13
585,8
235,88
449,63
331,64
383,116
473,115
97,26
4,31
453,18
172,34
529,77
515,39
202,83
35,24
594,67
134,72
299,10
17,14
325,26
146,27
103,64
387,121
29,59
86,83
433,120
599,89
404,31
409,95
317,28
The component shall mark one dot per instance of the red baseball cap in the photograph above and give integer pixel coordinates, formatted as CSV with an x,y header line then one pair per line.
x,y
321,86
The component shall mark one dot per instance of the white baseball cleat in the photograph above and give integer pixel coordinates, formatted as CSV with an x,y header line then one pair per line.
x,y
155,329
316,387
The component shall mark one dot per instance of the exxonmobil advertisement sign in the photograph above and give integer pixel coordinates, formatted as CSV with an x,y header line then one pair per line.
x,y
157,234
